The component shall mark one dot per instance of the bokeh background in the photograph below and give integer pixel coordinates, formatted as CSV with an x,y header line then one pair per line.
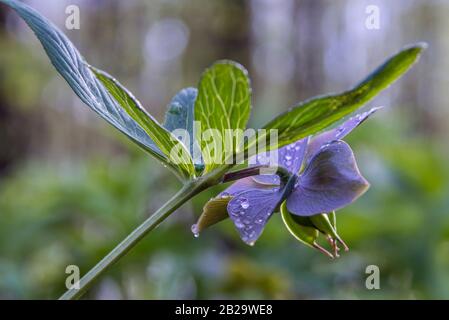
x,y
71,187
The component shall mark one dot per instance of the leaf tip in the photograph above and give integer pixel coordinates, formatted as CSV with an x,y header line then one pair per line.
x,y
420,45
416,49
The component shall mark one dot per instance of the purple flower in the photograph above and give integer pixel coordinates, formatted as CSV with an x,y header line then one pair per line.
x,y
320,175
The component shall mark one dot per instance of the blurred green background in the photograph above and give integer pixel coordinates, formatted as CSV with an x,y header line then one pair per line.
x,y
71,187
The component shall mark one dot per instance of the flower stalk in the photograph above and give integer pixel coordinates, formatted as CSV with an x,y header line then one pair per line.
x,y
187,192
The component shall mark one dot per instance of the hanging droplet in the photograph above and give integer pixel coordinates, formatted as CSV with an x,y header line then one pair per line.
x,y
195,230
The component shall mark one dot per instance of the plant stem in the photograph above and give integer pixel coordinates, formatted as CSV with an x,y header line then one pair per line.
x,y
186,193
243,173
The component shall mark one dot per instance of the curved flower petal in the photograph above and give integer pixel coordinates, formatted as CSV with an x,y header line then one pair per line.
x,y
215,210
290,157
250,211
338,133
330,181
241,185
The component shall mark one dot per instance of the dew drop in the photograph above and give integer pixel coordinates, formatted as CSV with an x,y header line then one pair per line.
x,y
239,224
244,204
235,213
288,157
340,132
325,145
195,230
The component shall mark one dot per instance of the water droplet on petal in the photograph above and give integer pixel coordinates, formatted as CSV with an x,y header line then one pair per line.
x,y
325,145
235,213
239,224
244,203
340,132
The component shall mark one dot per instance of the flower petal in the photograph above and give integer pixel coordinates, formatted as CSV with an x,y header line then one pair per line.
x,y
330,181
338,133
250,211
215,210
241,185
290,157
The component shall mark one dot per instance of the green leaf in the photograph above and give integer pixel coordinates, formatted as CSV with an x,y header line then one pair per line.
x,y
224,102
180,116
166,142
72,67
317,113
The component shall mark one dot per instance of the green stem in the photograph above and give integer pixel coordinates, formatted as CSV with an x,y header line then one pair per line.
x,y
186,193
